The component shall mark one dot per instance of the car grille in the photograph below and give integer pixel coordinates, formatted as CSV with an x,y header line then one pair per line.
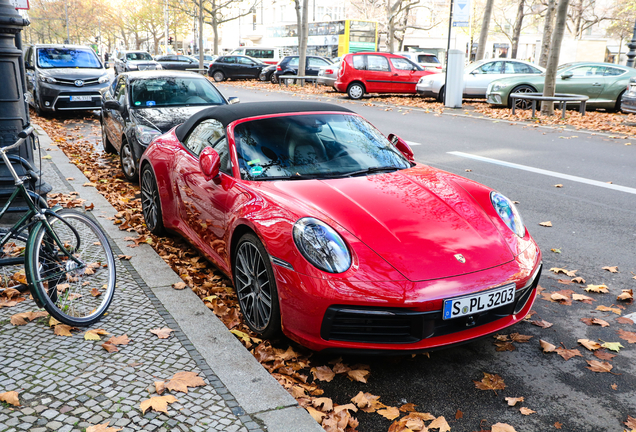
x,y
147,67
71,82
398,325
63,101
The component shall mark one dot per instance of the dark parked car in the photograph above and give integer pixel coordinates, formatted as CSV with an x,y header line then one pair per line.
x,y
127,61
235,67
267,74
180,62
140,106
289,65
628,101
64,77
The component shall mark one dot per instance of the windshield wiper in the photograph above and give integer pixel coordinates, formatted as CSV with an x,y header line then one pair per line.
x,y
370,170
291,177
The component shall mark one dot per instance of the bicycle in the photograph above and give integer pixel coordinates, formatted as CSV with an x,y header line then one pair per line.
x,y
68,262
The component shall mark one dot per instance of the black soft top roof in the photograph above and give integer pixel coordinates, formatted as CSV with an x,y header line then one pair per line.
x,y
226,114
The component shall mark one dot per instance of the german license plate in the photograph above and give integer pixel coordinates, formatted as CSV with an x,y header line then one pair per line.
x,y
475,303
81,98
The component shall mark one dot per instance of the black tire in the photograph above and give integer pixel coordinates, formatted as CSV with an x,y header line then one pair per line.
x,y
255,287
38,108
356,91
150,201
218,76
617,105
128,163
441,94
108,146
523,104
64,287
273,78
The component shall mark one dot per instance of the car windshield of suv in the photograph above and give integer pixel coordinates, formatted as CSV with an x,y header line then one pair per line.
x,y
169,92
67,58
138,56
313,146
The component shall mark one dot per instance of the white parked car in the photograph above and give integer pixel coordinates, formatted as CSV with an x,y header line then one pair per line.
x,y
477,76
327,74
429,62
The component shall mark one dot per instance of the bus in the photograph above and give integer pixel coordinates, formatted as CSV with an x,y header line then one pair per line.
x,y
328,39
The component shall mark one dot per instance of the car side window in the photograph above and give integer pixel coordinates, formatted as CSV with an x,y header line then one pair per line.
x,y
377,63
491,68
229,60
120,91
317,62
359,63
401,64
245,61
612,71
293,62
206,134
587,71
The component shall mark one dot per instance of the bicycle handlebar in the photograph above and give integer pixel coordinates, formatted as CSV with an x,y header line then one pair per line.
x,y
22,136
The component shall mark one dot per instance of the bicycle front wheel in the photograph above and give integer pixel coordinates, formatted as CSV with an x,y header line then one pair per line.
x,y
75,283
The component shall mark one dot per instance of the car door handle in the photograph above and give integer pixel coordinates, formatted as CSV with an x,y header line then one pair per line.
x,y
395,74
596,84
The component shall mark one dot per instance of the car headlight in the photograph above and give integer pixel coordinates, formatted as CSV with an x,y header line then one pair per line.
x,y
321,245
146,134
47,79
132,67
497,87
104,78
508,213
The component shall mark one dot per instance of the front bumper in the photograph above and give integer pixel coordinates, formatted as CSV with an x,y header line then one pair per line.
x,y
426,91
494,99
628,102
398,316
55,97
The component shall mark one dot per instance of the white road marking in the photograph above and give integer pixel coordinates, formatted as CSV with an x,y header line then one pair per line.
x,y
546,172
411,143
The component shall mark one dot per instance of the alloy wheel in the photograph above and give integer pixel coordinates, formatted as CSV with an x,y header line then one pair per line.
x,y
128,162
253,286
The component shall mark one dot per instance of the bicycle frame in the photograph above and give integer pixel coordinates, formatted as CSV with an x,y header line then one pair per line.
x,y
33,216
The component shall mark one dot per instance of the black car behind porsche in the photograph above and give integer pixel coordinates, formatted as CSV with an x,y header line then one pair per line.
x,y
140,106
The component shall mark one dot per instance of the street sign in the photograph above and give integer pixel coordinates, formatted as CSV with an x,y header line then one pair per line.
x,y
20,4
461,13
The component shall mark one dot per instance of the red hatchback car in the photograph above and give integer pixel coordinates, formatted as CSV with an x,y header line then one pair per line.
x,y
332,233
376,72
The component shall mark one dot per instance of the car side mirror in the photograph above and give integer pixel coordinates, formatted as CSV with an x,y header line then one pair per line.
x,y
566,75
233,100
28,66
210,163
402,146
113,105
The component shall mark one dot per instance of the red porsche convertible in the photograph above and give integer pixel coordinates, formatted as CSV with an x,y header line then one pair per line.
x,y
332,233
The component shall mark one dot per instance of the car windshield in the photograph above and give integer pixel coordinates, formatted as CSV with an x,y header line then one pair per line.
x,y
138,56
313,146
425,58
67,58
169,91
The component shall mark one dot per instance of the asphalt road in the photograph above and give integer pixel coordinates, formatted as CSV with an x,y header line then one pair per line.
x,y
593,226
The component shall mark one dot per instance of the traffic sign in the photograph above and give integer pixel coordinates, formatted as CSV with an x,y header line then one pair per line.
x,y
20,4
461,13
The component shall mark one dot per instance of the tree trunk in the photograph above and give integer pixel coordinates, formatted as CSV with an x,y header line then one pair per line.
x,y
516,33
547,108
620,47
201,36
390,31
483,35
548,26
215,29
302,54
299,25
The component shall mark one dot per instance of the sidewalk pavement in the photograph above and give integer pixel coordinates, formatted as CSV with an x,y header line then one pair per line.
x,y
68,384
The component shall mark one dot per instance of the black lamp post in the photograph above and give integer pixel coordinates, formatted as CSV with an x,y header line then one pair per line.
x,y
631,54
14,110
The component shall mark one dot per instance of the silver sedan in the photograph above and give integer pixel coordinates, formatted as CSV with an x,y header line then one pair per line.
x,y
477,76
327,74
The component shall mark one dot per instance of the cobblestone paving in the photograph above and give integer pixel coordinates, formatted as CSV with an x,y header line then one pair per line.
x,y
68,383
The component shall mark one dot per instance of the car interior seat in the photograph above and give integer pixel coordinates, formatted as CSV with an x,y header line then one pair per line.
x,y
304,147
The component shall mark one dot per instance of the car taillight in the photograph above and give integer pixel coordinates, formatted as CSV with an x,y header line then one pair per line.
x,y
329,71
278,68
342,68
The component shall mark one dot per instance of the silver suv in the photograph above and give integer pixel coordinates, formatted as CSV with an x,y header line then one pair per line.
x,y
64,77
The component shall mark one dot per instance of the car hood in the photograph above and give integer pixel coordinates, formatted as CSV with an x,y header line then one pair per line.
x,y
417,220
164,119
73,73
